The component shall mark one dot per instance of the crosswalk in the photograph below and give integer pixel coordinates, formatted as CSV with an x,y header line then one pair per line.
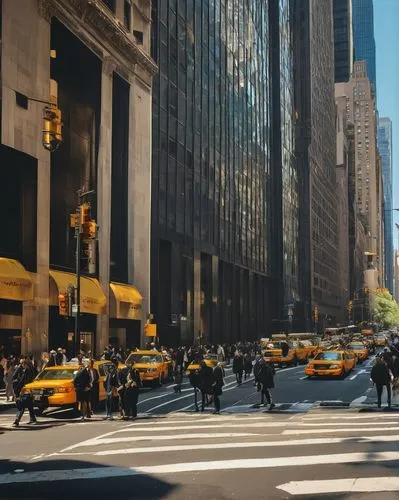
x,y
300,454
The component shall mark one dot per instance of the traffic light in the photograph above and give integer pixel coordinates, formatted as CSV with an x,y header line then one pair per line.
x,y
52,128
316,314
350,305
90,230
63,304
84,214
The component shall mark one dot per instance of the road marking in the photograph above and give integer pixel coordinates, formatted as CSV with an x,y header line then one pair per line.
x,y
225,446
238,464
174,437
356,374
358,401
234,384
303,378
350,485
357,416
337,429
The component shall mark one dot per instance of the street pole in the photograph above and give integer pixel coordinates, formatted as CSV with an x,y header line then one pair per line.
x,y
78,233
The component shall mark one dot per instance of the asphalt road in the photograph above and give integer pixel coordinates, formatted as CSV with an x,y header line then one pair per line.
x,y
300,449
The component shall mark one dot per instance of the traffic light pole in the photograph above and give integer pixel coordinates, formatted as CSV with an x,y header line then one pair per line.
x,y
78,235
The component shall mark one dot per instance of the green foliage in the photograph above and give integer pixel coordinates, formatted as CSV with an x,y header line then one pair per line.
x,y
385,309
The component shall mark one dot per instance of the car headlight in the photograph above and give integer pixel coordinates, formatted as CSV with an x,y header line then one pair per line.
x,y
26,391
151,370
334,367
311,366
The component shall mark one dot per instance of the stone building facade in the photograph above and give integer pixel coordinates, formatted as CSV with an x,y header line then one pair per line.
x,y
97,52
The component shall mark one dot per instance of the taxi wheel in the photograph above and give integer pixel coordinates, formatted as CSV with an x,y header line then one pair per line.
x,y
342,374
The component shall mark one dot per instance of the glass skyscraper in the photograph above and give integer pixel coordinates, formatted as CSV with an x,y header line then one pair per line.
x,y
343,40
217,175
385,149
363,36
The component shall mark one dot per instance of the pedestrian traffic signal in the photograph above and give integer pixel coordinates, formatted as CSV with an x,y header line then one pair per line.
x,y
63,304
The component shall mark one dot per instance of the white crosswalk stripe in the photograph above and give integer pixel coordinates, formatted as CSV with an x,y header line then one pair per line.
x,y
193,443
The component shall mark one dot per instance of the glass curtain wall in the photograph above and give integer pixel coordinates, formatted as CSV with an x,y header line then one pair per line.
x,y
289,171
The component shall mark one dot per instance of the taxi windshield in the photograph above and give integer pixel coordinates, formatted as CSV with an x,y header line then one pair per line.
x,y
61,374
329,356
144,358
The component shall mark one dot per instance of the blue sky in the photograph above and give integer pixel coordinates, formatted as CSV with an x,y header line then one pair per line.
x,y
386,33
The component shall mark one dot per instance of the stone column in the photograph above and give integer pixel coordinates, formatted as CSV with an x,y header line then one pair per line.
x,y
104,196
139,192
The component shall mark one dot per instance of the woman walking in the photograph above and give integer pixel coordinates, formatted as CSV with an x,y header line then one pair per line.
x,y
133,385
218,374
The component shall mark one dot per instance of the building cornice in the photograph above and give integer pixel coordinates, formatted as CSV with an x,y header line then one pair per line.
x,y
96,18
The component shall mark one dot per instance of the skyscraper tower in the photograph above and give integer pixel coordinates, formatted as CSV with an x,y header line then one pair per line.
x,y
385,148
363,37
343,40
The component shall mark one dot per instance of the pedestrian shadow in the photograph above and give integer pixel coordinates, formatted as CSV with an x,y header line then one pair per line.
x,y
77,479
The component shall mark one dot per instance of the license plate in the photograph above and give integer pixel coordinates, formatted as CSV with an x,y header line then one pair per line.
x,y
37,397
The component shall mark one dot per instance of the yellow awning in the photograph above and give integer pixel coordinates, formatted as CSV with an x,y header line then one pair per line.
x,y
126,301
15,281
92,297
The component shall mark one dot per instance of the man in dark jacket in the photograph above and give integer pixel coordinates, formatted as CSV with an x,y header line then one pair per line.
x,y
381,376
206,379
24,374
218,375
111,384
266,379
133,384
194,381
238,367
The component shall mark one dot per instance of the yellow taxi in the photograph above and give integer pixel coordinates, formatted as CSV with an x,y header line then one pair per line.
x,y
153,366
331,363
380,340
360,350
211,360
274,353
53,387
304,349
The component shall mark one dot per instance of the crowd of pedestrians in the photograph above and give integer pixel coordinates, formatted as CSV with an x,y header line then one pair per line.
x,y
122,382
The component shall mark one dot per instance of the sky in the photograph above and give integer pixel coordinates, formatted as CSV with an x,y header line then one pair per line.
x,y
386,34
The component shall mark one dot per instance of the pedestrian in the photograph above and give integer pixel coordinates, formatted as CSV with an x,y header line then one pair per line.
x,y
23,375
82,383
218,375
247,366
266,378
381,376
8,378
122,377
95,387
111,384
59,357
179,361
195,381
133,385
51,360
259,361
206,379
238,366
220,353
178,379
